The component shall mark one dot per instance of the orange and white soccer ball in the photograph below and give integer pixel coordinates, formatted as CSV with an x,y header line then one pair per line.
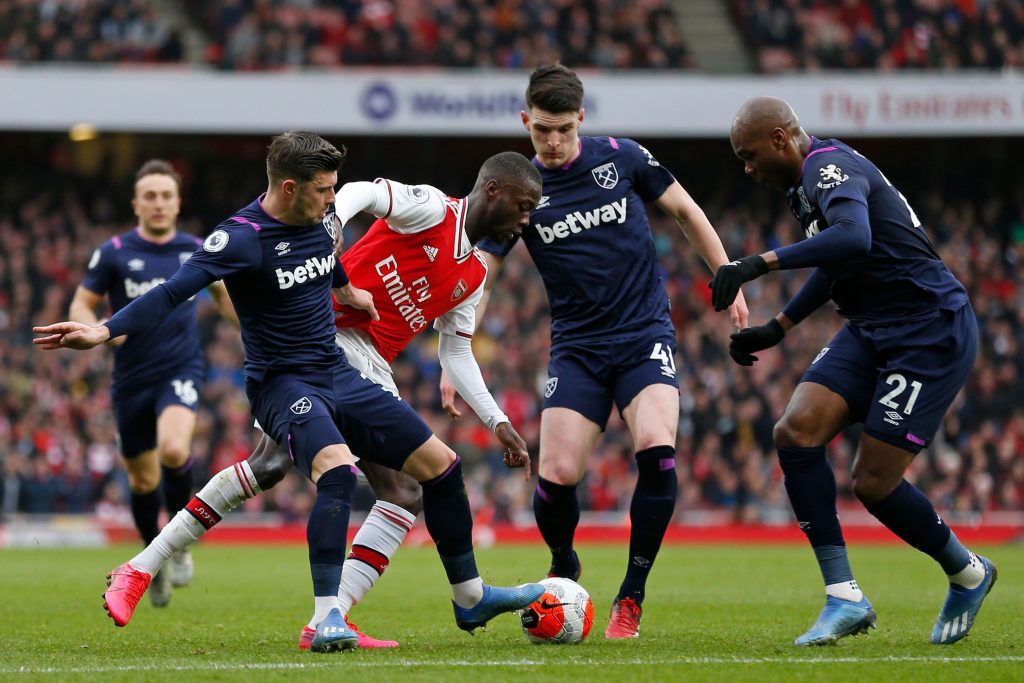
x,y
563,614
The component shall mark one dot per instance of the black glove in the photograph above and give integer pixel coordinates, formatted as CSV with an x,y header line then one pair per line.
x,y
729,277
748,340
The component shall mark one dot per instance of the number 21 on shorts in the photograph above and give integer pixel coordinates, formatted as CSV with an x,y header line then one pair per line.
x,y
899,384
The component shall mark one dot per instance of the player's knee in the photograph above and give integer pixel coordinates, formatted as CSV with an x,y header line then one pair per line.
x,y
405,492
143,482
561,473
795,430
173,452
269,463
870,487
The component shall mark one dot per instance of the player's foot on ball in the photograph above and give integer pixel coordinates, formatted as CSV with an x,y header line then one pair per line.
x,y
125,586
365,641
961,606
838,619
560,570
625,619
160,589
332,635
180,569
495,601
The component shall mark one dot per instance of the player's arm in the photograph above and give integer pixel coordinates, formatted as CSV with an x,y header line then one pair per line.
x,y
455,352
407,208
140,314
494,263
677,203
222,302
745,343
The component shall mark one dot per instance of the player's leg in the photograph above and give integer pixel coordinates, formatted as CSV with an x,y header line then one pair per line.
x,y
399,501
652,417
174,426
923,372
566,440
577,403
835,387
228,489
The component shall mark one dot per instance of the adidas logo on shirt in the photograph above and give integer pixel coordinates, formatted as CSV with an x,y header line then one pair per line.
x,y
431,252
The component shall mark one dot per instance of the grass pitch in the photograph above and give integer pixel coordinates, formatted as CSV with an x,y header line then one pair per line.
x,y
712,613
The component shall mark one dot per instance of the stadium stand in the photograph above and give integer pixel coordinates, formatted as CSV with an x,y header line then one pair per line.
x,y
57,434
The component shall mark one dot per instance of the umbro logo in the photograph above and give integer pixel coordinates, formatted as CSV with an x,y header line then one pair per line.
x,y
544,201
894,415
136,264
431,252
282,248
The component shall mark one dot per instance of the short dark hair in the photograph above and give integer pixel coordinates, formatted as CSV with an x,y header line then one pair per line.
x,y
158,167
300,155
511,166
554,88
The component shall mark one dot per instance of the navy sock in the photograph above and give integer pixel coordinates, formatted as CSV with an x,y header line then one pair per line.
x,y
146,511
450,523
327,529
811,487
558,513
910,515
654,502
177,486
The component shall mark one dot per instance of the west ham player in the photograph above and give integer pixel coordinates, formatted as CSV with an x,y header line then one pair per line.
x,y
907,347
419,264
276,257
159,372
612,340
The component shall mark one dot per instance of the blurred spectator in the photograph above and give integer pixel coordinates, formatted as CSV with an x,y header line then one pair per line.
x,y
885,35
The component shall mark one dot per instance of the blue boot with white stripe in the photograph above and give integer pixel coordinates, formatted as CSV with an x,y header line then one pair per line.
x,y
839,618
962,606
333,634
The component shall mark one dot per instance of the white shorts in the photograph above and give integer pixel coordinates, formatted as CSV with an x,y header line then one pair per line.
x,y
364,357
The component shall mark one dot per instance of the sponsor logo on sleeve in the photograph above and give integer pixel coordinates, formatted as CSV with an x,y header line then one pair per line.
x,y
651,161
606,175
94,259
418,195
217,240
831,176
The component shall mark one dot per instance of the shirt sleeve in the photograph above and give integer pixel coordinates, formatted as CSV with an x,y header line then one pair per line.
x,y
152,306
499,249
374,198
812,296
831,176
227,250
847,236
650,179
101,273
457,360
413,208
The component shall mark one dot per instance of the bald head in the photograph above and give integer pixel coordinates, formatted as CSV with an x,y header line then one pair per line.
x,y
763,114
766,135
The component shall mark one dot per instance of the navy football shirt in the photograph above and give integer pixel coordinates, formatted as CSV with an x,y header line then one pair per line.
x,y
126,267
592,243
901,277
279,277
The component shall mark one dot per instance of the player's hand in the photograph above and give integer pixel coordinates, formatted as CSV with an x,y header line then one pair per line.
x,y
70,335
350,295
516,454
729,277
116,341
745,342
738,313
448,397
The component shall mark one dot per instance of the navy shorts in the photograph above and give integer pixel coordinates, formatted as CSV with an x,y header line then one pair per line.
x,y
589,377
899,380
137,410
306,412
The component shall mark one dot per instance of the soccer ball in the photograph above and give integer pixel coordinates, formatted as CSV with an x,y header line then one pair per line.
x,y
563,614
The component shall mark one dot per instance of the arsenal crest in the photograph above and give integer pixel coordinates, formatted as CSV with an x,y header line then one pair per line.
x,y
606,175
460,290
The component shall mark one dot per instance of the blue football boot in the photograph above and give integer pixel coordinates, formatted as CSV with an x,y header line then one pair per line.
x,y
495,601
961,606
838,619
333,634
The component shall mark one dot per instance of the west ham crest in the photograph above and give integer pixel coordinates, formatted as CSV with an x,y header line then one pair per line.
x,y
606,175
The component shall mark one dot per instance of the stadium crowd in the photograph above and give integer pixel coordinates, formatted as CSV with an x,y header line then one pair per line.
x,y
57,438
885,35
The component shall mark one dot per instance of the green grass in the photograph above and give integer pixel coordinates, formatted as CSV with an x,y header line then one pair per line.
x,y
712,613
